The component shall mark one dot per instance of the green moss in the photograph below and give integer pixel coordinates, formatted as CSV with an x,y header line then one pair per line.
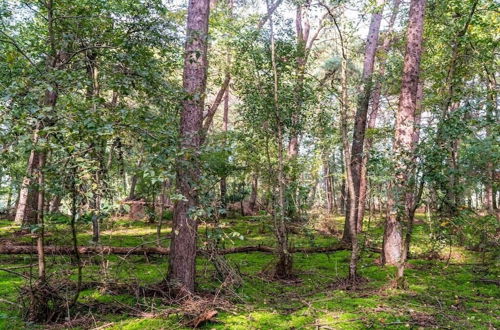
x,y
440,294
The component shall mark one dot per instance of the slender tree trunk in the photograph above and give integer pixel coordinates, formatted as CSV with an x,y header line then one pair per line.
x,y
183,244
40,222
253,196
327,181
223,180
225,122
284,264
343,194
491,118
393,246
376,96
451,145
361,116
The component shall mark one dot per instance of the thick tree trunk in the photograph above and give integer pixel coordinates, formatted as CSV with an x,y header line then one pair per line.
x,y
403,140
183,245
361,116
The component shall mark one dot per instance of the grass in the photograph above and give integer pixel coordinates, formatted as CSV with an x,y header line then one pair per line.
x,y
440,294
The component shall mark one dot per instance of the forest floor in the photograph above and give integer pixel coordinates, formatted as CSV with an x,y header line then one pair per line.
x,y
446,291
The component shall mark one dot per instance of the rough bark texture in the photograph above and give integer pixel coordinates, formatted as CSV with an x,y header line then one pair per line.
x,y
183,244
402,146
376,95
361,116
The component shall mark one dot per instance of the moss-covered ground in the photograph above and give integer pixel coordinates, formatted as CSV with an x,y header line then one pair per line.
x,y
442,293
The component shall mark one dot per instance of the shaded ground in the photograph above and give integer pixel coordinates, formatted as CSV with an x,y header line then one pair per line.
x,y
441,293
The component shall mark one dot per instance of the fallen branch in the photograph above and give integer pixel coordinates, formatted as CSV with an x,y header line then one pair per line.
x,y
92,250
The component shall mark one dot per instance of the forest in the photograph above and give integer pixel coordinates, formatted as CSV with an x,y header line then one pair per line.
x,y
249,164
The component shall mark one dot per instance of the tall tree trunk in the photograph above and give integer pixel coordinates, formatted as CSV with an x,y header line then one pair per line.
x,y
376,96
225,122
223,180
491,118
451,145
414,194
393,247
362,114
39,217
183,244
284,265
28,206
344,115
343,193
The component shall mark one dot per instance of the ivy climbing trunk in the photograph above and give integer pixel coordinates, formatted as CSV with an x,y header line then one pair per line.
x,y
183,244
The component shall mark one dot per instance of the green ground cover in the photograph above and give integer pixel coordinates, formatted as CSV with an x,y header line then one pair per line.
x,y
441,293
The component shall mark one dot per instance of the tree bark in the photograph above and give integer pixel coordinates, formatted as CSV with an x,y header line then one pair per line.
x,y
183,245
283,267
414,194
376,95
402,146
362,114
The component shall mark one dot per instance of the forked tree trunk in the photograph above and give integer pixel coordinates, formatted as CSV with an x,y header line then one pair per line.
x,y
393,246
183,244
361,117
